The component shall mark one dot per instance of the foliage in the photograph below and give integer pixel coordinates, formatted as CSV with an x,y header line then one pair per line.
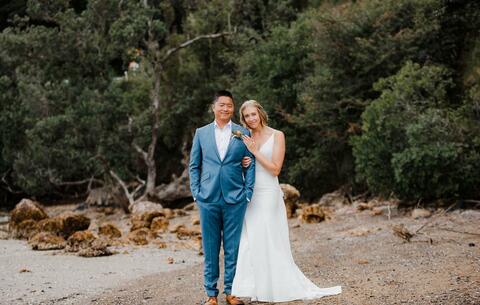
x,y
413,142
378,95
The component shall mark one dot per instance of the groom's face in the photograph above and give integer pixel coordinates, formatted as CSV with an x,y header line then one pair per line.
x,y
223,108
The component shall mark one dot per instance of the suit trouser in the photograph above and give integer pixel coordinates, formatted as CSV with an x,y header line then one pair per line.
x,y
220,220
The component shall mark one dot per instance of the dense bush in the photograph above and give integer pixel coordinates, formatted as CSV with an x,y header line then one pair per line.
x,y
378,95
414,143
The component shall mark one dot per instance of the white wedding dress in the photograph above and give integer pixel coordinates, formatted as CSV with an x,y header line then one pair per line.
x,y
266,270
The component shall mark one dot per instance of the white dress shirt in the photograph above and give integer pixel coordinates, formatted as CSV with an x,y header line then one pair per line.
x,y
222,138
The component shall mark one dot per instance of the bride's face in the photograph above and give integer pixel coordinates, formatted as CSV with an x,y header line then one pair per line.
x,y
251,117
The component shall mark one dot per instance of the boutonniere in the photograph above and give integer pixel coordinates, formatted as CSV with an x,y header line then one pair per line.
x,y
237,134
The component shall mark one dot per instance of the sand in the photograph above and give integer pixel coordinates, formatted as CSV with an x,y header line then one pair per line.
x,y
354,249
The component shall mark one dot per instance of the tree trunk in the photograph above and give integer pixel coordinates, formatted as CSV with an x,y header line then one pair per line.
x,y
151,164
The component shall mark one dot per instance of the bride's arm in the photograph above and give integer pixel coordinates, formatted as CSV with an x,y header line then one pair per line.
x,y
278,154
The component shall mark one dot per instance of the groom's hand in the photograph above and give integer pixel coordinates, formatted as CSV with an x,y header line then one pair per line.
x,y
246,161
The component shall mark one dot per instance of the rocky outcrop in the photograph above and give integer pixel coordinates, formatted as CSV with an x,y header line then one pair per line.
x,y
109,230
74,222
86,244
290,196
314,213
334,199
159,225
53,225
46,241
140,237
24,217
97,247
79,240
141,207
421,213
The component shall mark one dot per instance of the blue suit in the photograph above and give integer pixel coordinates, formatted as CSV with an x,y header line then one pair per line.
x,y
221,189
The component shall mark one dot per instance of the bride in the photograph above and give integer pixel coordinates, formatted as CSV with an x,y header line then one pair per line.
x,y
265,269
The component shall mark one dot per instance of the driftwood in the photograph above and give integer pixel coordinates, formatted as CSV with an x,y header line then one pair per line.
x,y
431,219
129,195
461,232
402,232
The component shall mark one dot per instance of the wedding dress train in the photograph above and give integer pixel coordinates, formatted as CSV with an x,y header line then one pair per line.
x,y
265,269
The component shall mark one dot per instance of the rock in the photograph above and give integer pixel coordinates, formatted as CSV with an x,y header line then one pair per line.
x,y
144,220
144,212
401,231
176,228
145,206
109,230
169,213
46,241
290,196
184,233
4,235
334,199
377,211
196,220
190,207
80,240
314,214
149,216
421,213
52,225
140,236
138,224
357,232
364,206
24,229
159,225
107,210
87,244
97,247
391,211
161,244
74,222
198,245
179,212
25,210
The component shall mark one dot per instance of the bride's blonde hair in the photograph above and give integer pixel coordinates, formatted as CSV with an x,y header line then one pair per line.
x,y
261,113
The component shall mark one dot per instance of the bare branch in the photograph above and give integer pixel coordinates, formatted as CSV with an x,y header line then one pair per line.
x,y
462,232
79,182
137,148
440,214
141,151
193,40
130,196
7,186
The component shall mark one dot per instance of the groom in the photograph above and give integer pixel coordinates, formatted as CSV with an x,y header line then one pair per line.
x,y
222,188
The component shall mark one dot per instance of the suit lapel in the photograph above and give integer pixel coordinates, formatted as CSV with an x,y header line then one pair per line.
x,y
230,143
214,141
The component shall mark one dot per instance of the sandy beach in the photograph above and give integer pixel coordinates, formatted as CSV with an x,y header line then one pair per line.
x,y
354,249
51,277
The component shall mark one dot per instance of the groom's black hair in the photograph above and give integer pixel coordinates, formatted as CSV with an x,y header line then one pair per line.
x,y
222,93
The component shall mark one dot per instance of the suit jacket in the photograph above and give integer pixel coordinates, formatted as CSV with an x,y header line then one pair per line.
x,y
212,179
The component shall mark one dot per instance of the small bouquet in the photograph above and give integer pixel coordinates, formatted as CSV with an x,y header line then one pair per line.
x,y
237,134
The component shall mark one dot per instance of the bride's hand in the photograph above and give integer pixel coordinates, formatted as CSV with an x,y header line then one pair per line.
x,y
250,143
246,161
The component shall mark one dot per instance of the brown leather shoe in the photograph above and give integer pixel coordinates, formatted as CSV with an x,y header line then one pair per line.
x,y
211,301
233,300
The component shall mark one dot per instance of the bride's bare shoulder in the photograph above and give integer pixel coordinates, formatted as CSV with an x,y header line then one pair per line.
x,y
278,134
